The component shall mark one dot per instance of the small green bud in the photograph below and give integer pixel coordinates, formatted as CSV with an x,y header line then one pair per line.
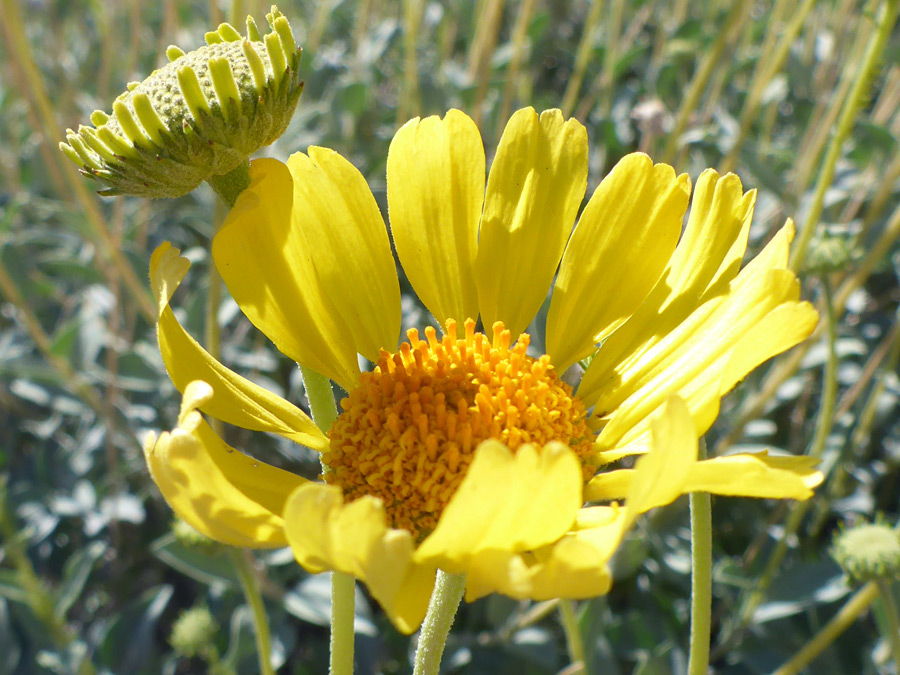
x,y
868,551
829,254
193,632
199,116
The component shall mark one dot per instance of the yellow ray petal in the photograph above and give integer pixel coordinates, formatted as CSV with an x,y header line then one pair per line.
x,y
237,400
222,493
327,534
435,189
619,249
567,568
740,475
268,265
706,259
535,187
758,317
337,214
507,501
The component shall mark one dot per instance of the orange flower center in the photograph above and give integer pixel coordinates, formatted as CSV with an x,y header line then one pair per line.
x,y
408,432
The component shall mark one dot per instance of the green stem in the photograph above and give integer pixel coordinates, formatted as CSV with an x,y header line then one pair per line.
x,y
839,623
574,641
324,413
252,595
343,589
852,105
229,185
701,577
448,591
892,614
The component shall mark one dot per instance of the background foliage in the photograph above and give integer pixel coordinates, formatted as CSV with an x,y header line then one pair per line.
x,y
92,577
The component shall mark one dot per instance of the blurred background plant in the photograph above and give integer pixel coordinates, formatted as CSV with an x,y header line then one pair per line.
x,y
801,99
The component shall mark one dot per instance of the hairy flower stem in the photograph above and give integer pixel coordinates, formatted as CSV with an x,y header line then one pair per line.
x,y
448,591
574,641
242,563
324,413
701,577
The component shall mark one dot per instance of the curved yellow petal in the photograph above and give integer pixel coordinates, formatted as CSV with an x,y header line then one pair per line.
x,y
222,493
702,357
327,534
507,502
619,249
269,267
756,475
237,400
337,214
704,262
535,187
660,476
741,475
567,568
435,189
574,564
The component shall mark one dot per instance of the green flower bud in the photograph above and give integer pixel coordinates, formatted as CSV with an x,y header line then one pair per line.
x,y
198,117
193,632
829,254
868,551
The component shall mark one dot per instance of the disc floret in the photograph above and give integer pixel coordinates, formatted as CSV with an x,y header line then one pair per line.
x,y
199,116
409,431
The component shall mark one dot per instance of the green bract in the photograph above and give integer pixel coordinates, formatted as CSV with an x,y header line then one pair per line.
x,y
197,117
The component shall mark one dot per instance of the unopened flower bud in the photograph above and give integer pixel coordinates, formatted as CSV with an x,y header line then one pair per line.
x,y
193,632
869,551
198,117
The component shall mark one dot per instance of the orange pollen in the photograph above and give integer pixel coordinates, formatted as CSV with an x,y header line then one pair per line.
x,y
408,432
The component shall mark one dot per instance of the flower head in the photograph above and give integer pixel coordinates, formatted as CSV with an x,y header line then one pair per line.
x,y
197,117
466,450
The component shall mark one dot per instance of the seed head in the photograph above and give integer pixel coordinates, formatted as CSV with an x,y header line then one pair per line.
x,y
199,116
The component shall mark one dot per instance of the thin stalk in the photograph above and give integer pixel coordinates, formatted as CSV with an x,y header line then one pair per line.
x,y
574,641
841,621
582,56
324,413
892,615
701,78
855,100
448,591
343,589
243,565
701,577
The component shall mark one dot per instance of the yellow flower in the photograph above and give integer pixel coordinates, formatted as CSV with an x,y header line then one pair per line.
x,y
464,451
